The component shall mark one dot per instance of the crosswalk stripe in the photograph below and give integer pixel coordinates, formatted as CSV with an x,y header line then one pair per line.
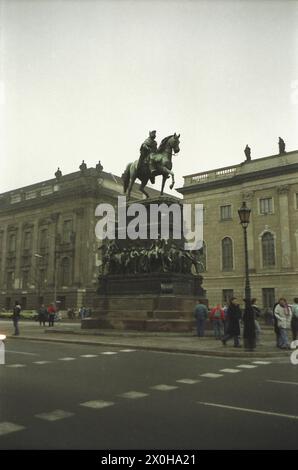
x,y
261,362
210,375
127,350
188,381
54,415
282,382
247,366
6,428
16,365
230,371
89,355
67,359
41,362
164,387
133,395
109,353
97,404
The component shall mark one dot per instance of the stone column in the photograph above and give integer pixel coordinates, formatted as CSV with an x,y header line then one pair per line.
x,y
284,226
52,233
78,246
3,257
17,278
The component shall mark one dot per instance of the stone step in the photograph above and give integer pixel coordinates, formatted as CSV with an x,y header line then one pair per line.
x,y
121,323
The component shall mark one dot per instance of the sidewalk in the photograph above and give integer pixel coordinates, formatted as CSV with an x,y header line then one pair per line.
x,y
188,343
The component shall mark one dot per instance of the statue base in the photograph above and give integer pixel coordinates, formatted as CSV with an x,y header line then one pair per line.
x,y
148,282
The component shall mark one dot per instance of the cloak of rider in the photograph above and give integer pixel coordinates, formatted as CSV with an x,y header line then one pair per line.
x,y
148,147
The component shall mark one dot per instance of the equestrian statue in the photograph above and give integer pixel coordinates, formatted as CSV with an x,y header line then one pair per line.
x,y
153,161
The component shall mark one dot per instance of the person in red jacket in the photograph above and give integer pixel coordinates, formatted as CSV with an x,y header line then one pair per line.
x,y
51,312
217,317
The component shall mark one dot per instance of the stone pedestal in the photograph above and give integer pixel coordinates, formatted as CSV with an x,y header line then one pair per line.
x,y
156,296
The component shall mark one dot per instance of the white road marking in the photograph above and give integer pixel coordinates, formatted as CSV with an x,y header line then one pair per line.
x,y
247,366
261,362
211,376
248,410
21,352
41,362
133,395
6,428
97,404
89,355
163,387
109,353
188,381
16,365
67,359
54,415
230,371
127,350
282,382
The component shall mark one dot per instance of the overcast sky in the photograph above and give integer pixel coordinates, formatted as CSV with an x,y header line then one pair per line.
x,y
87,80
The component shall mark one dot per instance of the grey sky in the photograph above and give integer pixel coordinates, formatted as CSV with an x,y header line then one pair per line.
x,y
88,80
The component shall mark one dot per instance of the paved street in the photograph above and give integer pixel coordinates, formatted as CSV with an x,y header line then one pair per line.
x,y
78,396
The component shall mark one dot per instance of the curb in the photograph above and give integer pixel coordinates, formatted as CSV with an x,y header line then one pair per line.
x,y
232,354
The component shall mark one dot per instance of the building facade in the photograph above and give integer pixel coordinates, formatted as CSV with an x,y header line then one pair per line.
x,y
48,246
269,186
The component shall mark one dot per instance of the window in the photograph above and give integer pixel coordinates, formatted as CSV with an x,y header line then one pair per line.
x,y
65,272
27,240
67,231
43,239
10,280
266,205
42,277
225,212
227,254
227,294
12,243
268,295
268,250
25,279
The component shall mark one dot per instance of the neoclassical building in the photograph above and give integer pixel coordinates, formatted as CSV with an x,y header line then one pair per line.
x,y
48,247
269,185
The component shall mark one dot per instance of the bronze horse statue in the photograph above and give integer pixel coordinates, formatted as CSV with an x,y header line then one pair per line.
x,y
159,163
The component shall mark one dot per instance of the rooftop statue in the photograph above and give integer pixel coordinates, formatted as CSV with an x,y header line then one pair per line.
x,y
281,145
153,161
247,152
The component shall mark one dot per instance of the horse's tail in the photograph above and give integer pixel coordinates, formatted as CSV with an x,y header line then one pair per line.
x,y
126,177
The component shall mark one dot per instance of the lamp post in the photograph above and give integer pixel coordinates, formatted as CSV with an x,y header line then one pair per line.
x,y
249,333
244,214
38,280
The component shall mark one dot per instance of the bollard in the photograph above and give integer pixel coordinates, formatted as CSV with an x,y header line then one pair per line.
x,y
2,349
294,355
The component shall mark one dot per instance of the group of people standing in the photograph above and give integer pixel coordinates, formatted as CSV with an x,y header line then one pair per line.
x,y
226,322
285,318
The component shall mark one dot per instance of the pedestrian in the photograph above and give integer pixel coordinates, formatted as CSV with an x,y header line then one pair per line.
x,y
233,323
51,313
294,322
201,315
82,312
42,315
283,315
257,313
225,321
16,317
217,317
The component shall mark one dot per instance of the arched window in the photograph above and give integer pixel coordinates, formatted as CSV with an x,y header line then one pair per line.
x,y
227,254
65,272
268,250
12,243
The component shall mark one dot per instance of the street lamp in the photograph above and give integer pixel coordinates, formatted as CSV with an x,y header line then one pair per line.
x,y
249,332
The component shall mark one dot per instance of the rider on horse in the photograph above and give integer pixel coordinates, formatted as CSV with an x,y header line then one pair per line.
x,y
148,147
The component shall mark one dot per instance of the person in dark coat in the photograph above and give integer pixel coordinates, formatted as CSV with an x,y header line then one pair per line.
x,y
16,318
42,315
249,323
233,323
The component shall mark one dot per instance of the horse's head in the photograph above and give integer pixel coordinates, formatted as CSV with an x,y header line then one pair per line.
x,y
174,141
170,143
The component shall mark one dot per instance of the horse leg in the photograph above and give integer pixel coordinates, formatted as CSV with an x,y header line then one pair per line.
x,y
164,178
131,182
143,184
